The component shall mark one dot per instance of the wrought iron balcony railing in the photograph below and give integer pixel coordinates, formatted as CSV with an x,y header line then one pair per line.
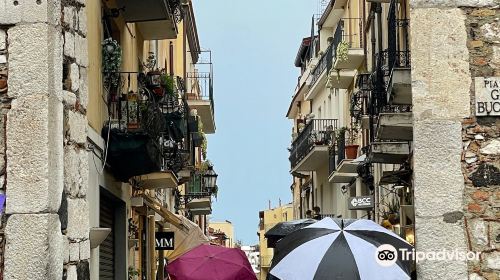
x,y
350,31
324,64
147,128
315,133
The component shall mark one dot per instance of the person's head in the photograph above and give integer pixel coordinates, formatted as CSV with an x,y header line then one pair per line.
x,y
308,213
316,209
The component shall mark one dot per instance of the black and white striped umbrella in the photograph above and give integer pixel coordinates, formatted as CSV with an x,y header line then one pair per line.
x,y
341,249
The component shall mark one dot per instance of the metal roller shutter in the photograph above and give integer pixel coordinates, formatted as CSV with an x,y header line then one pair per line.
x,y
107,247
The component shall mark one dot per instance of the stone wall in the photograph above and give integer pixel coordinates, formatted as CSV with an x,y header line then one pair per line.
x,y
456,155
43,43
481,155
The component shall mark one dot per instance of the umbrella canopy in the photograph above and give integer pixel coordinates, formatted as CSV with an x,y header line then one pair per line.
x,y
186,240
340,249
283,229
212,262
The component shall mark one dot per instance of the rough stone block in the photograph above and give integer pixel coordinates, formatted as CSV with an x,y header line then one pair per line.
x,y
70,16
29,11
486,175
78,219
33,247
82,20
495,57
77,123
69,44
433,234
68,98
35,154
3,59
65,250
76,171
439,182
35,66
81,53
492,260
475,276
452,3
85,250
72,273
491,32
491,148
443,94
83,93
3,39
479,232
74,251
74,76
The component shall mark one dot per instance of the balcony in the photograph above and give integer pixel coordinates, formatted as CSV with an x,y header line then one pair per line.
x,y
200,94
318,75
309,150
155,19
332,14
198,194
389,152
395,126
399,84
348,41
146,133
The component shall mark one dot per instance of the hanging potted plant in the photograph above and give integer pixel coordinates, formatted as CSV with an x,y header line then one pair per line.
x,y
167,83
111,64
351,149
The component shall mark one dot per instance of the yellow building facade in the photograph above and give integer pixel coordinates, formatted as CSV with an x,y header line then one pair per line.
x,y
227,228
268,219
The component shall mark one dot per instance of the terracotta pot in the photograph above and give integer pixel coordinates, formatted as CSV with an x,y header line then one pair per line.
x,y
351,151
3,83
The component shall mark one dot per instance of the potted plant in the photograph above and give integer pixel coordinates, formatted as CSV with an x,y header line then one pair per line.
x,y
351,149
167,82
111,64
132,273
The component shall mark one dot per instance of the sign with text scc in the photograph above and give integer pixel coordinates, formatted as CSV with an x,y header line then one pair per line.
x,y
487,96
360,203
164,241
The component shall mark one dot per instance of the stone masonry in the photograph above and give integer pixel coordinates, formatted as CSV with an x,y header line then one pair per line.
x,y
43,139
457,156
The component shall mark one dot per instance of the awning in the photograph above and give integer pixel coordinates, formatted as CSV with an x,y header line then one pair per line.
x,y
165,213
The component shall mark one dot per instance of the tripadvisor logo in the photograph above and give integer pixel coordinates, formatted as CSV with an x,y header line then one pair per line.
x,y
387,255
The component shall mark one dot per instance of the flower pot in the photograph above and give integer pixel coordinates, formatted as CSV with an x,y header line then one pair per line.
x,y
3,84
351,151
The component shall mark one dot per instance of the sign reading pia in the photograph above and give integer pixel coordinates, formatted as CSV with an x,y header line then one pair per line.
x,y
487,96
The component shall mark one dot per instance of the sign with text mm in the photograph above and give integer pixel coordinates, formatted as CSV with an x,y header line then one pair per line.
x,y
487,96
164,241
360,203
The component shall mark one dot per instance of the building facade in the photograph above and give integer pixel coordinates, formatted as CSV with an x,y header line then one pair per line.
x,y
224,232
117,101
268,219
388,108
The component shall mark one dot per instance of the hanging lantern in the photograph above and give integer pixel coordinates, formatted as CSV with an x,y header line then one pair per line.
x,y
210,178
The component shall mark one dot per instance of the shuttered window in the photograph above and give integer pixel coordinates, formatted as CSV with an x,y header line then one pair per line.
x,y
107,247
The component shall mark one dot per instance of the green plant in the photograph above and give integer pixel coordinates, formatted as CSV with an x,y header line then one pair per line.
x,y
342,50
353,133
204,143
340,134
132,272
111,62
167,82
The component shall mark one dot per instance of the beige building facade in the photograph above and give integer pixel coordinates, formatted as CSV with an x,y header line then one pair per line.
x,y
116,108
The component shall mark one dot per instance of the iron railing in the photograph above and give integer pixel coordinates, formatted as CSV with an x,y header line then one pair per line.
x,y
332,163
349,30
340,143
199,86
315,133
324,63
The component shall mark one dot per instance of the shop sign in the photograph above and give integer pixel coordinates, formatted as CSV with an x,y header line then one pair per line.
x,y
360,203
487,96
164,241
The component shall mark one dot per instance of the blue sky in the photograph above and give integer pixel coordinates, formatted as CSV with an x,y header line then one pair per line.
x,y
253,45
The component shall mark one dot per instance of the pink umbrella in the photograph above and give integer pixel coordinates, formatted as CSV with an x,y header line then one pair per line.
x,y
212,262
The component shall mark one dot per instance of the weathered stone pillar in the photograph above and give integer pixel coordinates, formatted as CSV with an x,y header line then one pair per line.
x,y
42,48
443,90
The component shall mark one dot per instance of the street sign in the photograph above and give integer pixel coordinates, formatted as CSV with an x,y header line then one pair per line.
x,y
487,96
360,203
164,241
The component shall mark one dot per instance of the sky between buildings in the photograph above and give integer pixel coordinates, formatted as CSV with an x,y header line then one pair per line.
x,y
253,45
